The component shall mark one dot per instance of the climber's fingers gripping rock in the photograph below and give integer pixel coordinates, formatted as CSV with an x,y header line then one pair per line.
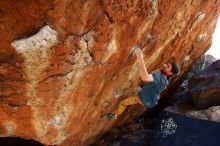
x,y
139,53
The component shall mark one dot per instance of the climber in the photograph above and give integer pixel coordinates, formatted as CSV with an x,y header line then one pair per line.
x,y
153,85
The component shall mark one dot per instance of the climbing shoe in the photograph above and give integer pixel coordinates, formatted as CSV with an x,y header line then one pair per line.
x,y
112,116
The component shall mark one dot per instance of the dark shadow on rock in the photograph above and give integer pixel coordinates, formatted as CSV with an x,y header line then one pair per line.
x,y
204,87
16,141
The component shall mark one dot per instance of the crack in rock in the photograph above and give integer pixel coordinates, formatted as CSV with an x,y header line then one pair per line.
x,y
198,18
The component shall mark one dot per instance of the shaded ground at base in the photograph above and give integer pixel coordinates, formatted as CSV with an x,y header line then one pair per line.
x,y
16,141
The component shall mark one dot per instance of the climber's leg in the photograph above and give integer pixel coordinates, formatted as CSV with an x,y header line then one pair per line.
x,y
126,102
123,105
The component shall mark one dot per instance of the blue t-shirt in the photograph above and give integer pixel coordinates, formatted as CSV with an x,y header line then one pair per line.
x,y
150,92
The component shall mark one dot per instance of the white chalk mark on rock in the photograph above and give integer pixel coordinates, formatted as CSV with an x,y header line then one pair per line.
x,y
10,127
111,48
201,37
197,19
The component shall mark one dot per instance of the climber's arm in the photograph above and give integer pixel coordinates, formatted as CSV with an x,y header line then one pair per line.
x,y
145,76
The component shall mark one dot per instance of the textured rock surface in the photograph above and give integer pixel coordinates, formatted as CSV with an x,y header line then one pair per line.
x,y
212,113
183,91
203,62
63,64
204,88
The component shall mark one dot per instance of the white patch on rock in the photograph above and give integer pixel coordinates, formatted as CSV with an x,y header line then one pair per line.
x,y
155,55
61,138
137,89
186,58
212,114
200,16
35,50
82,57
179,16
197,19
201,37
89,39
153,4
118,93
59,119
59,122
132,51
80,60
10,126
111,48
148,35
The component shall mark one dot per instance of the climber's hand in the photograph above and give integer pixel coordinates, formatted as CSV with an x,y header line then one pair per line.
x,y
139,53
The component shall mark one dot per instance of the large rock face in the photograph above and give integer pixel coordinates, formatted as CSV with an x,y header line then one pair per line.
x,y
204,87
184,108
63,64
203,62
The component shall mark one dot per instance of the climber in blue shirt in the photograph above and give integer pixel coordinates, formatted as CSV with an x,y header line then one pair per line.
x,y
154,84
